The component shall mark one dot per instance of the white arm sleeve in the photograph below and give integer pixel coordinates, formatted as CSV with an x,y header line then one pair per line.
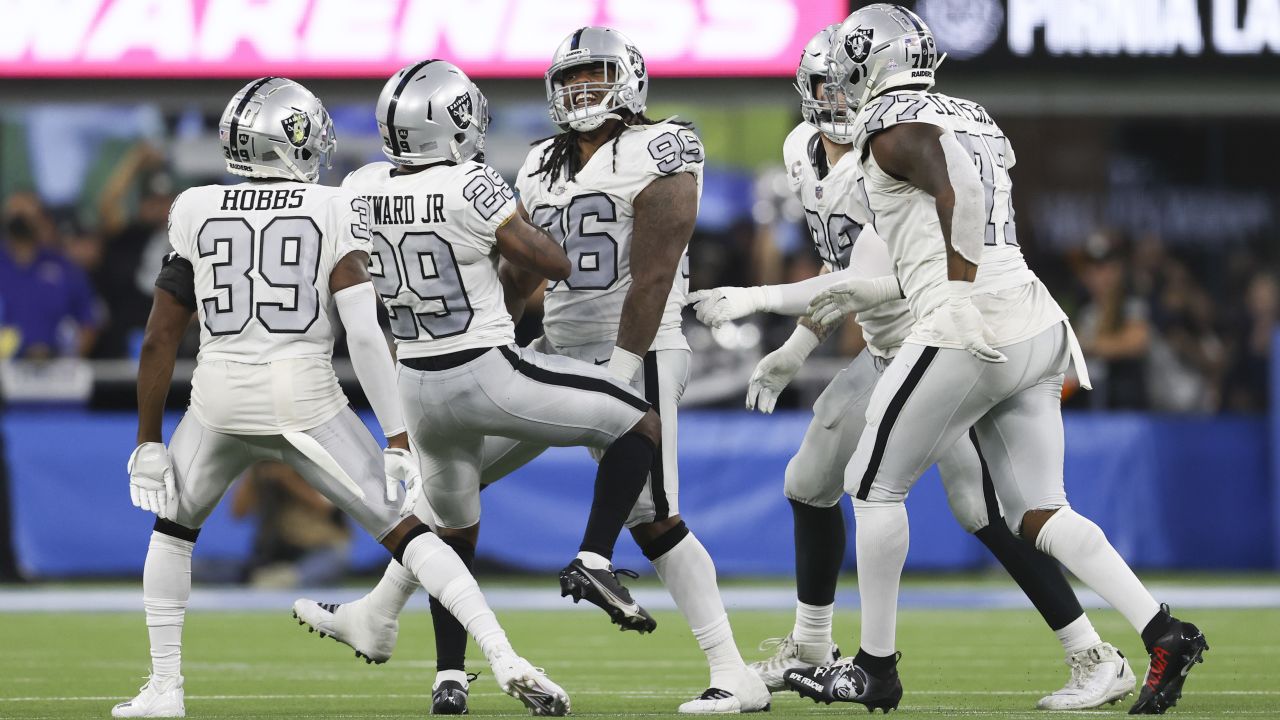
x,y
793,298
358,310
969,217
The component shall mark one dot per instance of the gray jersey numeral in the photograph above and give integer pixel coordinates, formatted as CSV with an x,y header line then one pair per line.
x,y
834,239
425,264
673,150
988,152
288,257
592,253
487,191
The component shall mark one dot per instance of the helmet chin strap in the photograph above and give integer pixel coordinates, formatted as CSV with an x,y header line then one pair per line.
x,y
297,174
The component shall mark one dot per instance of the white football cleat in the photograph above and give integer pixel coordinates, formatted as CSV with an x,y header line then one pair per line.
x,y
1099,675
530,685
155,699
744,692
790,655
371,635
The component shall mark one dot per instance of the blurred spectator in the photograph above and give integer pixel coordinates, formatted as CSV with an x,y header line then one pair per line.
x,y
1247,386
135,243
1115,333
48,302
1186,356
302,539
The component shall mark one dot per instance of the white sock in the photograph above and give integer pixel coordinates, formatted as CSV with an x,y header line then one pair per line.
x,y
458,676
1081,545
883,535
690,576
813,623
594,561
393,590
1077,635
443,575
166,587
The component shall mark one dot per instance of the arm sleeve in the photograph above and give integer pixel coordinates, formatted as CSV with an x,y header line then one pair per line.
x,y
969,216
793,298
358,310
178,278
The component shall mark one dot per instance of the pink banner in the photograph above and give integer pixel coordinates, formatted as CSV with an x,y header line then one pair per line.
x,y
373,38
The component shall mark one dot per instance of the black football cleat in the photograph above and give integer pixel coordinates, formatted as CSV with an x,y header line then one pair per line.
x,y
843,681
1172,657
602,589
450,697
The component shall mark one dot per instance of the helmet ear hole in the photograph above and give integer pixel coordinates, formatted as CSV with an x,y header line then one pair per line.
x,y
306,153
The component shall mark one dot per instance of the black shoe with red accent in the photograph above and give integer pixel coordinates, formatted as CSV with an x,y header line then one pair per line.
x,y
843,681
1173,655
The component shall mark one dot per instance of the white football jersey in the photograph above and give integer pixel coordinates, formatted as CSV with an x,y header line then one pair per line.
x,y
435,254
262,253
592,217
836,212
907,218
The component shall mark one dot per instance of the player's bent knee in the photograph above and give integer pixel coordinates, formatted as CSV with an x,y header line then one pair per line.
x,y
657,538
174,530
1032,522
650,426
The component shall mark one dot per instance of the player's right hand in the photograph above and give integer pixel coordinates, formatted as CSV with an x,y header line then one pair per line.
x,y
718,306
850,297
774,371
151,483
958,321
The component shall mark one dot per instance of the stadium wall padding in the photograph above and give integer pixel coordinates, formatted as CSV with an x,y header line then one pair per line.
x,y
1171,492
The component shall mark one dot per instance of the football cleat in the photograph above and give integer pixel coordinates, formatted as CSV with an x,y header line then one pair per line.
x,y
791,655
529,685
372,636
450,693
741,692
1172,657
1099,675
155,699
843,681
602,589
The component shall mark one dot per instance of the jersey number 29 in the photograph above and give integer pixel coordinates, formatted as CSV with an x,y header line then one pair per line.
x,y
424,264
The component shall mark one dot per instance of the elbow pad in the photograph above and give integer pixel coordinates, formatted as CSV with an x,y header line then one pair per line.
x,y
969,217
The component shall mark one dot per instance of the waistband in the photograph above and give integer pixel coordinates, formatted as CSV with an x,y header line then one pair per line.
x,y
448,361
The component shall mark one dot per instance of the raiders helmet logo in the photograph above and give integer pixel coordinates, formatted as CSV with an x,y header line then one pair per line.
x,y
460,111
637,61
858,45
297,128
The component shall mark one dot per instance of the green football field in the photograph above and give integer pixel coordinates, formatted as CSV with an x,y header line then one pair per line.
x,y
964,664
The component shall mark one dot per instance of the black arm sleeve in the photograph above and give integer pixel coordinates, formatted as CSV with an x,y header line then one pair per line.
x,y
179,279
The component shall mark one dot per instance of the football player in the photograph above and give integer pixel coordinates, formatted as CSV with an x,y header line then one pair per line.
x,y
822,177
620,192
266,265
988,351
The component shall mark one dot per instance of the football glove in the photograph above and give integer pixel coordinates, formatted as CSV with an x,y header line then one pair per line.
x,y
151,483
958,321
775,370
718,306
852,296
401,468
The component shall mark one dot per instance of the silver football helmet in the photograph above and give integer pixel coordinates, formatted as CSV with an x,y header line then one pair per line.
x,y
827,113
878,48
430,112
275,128
584,106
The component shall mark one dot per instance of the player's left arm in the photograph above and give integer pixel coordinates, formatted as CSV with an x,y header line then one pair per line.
x,y
357,305
665,213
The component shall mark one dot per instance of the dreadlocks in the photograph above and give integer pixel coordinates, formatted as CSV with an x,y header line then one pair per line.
x,y
564,155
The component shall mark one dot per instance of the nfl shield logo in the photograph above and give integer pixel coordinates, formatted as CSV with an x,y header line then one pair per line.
x,y
817,192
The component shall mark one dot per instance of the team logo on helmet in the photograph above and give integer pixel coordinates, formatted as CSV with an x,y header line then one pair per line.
x,y
637,60
460,111
858,45
297,128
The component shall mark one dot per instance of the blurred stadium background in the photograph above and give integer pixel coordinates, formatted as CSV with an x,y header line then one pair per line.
x,y
1147,199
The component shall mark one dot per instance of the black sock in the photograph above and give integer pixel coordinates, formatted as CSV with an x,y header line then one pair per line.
x,y
451,637
820,546
874,664
1157,627
1039,575
619,480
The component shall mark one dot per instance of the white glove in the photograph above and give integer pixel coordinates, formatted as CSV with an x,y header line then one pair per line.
x,y
718,306
852,296
776,369
151,483
623,364
958,321
401,468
